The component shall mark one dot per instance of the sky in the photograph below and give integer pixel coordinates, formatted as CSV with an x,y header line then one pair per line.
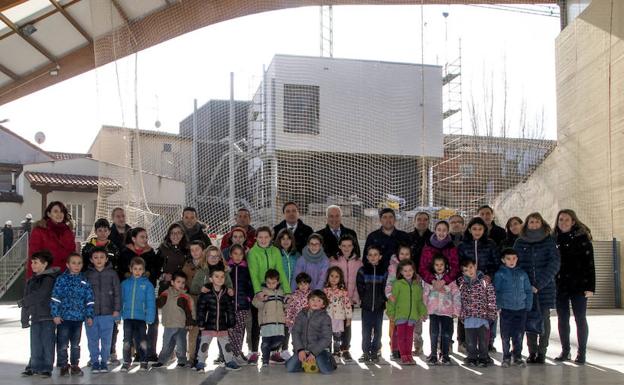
x,y
494,44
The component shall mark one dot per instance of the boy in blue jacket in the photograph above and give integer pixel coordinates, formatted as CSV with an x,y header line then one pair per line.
x,y
514,298
138,309
71,303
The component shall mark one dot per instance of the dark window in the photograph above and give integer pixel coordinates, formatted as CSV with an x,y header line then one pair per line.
x,y
166,147
301,109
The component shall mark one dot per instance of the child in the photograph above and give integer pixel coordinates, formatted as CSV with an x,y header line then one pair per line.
x,y
138,308
107,291
313,261
349,262
478,308
36,314
171,255
298,300
102,231
443,305
214,260
215,315
406,309
514,296
270,304
311,335
371,280
191,267
285,242
177,316
404,254
237,236
71,303
340,308
243,292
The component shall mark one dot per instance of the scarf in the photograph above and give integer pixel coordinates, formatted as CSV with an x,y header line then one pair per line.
x,y
440,244
533,236
313,258
57,228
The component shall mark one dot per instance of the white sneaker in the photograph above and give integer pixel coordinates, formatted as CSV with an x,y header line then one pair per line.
x,y
285,354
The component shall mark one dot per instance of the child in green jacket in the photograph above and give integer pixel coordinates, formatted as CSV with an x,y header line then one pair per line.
x,y
407,308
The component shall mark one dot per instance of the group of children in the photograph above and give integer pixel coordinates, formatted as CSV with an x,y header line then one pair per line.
x,y
250,292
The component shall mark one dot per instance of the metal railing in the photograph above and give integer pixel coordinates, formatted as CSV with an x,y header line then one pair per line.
x,y
12,263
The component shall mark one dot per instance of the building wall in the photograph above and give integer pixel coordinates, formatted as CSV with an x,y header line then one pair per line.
x,y
15,151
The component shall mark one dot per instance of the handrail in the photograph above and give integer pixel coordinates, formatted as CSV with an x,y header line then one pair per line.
x,y
12,263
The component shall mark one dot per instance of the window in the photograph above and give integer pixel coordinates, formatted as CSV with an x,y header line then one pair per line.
x,y
301,109
166,147
6,181
77,214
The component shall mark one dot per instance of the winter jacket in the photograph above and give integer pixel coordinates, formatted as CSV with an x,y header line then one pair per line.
x,y
349,267
371,281
152,263
111,252
457,238
418,243
478,298
118,239
289,261
408,303
250,238
513,289
497,234
202,278
540,259
312,331
426,259
197,233
215,310
138,300
177,308
389,244
106,289
297,302
261,259
302,232
330,242
37,295
483,252
72,298
171,259
241,282
509,242
315,266
577,273
446,302
58,239
339,304
190,269
271,309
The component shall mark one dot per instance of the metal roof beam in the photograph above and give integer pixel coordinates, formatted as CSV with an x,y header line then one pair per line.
x,y
8,72
28,39
71,20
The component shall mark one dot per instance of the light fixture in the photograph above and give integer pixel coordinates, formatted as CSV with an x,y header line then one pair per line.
x,y
55,71
28,29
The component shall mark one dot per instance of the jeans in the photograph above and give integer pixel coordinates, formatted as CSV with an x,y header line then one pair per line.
x,y
99,336
579,308
404,334
512,325
270,344
134,331
538,344
286,340
323,361
42,340
440,326
68,333
173,338
152,337
476,343
372,322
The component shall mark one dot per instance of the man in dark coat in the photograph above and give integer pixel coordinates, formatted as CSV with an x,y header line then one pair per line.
x,y
294,224
421,235
495,232
334,229
119,228
194,229
387,237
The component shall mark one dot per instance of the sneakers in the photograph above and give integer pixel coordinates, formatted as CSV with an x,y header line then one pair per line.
x,y
432,360
76,371
364,358
181,365
347,356
95,367
506,363
395,356
240,360
158,365
253,359
285,354
125,367
374,358
113,359
152,358
232,365
200,366
220,360
276,359
532,358
519,362
27,373
417,352
103,368
445,360
336,355
143,366
540,359
265,364
482,363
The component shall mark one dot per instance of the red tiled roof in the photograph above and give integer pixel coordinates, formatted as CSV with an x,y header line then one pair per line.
x,y
67,155
69,180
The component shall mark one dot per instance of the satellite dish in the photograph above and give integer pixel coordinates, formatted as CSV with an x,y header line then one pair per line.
x,y
157,124
40,137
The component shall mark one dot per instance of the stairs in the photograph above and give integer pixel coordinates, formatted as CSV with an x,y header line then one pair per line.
x,y
12,263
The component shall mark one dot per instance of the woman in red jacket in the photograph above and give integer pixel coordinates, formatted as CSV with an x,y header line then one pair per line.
x,y
53,233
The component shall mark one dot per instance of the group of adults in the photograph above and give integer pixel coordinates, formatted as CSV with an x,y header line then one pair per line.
x,y
559,261
10,232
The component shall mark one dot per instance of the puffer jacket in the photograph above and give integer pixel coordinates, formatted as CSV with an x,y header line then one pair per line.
x,y
111,252
446,302
339,304
177,308
215,310
153,265
312,331
289,261
349,267
36,301
261,259
72,298
513,289
241,282
426,258
57,238
138,300
483,252
271,309
371,281
297,302
202,278
541,262
478,298
577,273
408,303
106,289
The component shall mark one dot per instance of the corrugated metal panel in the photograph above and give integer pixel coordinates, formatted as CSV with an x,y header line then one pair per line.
x,y
605,283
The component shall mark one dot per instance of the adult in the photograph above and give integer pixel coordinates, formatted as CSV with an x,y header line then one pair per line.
x,y
439,243
387,238
194,229
7,234
495,232
333,230
53,233
27,224
539,257
119,228
513,227
172,254
420,235
457,227
293,223
576,281
243,221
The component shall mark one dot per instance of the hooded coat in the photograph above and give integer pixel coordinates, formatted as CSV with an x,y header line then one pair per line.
x,y
57,238
37,294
